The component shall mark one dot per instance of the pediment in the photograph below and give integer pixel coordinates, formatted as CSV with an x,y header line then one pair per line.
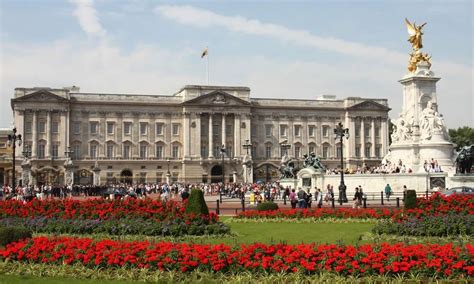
x,y
217,98
40,96
368,105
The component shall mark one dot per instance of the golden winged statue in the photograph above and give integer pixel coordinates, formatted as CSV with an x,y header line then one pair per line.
x,y
415,33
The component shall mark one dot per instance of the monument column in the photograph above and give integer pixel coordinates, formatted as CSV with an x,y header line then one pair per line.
x,y
384,134
186,132
211,146
197,147
237,143
372,151
223,130
48,134
34,129
362,137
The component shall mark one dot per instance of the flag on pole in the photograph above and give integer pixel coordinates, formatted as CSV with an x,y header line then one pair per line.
x,y
204,53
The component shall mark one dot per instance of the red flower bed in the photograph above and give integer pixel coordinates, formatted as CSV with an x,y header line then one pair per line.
x,y
437,205
96,209
342,213
430,260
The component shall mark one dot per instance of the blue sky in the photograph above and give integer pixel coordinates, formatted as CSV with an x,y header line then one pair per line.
x,y
297,49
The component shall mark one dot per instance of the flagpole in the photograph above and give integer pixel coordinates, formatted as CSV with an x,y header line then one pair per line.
x,y
207,65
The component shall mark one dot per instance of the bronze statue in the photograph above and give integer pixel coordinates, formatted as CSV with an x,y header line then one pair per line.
x,y
313,161
465,160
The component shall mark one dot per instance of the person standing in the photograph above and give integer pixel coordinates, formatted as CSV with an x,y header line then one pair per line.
x,y
319,198
301,198
357,198
388,191
293,199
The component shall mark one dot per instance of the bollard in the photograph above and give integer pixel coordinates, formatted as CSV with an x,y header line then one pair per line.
x,y
332,201
284,198
427,193
381,197
235,211
404,193
220,196
365,202
340,200
243,205
398,202
218,211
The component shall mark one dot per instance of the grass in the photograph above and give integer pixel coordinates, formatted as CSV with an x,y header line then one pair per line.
x,y
27,279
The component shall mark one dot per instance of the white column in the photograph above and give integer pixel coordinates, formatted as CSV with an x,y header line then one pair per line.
x,y
49,142
63,133
211,143
384,139
362,137
372,152
34,129
352,139
237,143
197,148
186,132
223,129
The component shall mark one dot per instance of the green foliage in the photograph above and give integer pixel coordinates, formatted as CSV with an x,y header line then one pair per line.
x,y
410,199
267,206
463,136
196,203
432,226
124,226
13,234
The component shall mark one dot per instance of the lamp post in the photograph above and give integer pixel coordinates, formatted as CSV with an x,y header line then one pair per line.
x,y
340,133
12,141
223,172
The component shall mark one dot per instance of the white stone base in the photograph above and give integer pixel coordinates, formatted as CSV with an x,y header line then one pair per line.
x,y
291,183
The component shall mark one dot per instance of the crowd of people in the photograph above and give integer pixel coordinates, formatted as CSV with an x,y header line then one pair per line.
x,y
387,167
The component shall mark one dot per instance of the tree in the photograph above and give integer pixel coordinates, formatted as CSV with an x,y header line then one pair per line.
x,y
463,136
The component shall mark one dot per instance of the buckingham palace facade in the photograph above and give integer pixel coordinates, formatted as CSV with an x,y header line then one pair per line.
x,y
179,137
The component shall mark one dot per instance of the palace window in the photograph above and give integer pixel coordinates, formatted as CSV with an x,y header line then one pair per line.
x,y
143,151
378,151
175,152
268,130
297,130
127,128
204,151
175,128
27,126
311,131
110,128
367,131
297,151
94,127
325,151
41,150
268,151
357,131
283,130
377,131
55,151
55,127
76,151
126,151
367,150
76,127
311,149
325,131
338,151
41,126
228,129
159,151
159,129
110,151
357,151
93,151
143,128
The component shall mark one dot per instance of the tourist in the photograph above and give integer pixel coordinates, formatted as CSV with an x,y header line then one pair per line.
x,y
185,195
319,198
357,198
388,191
293,199
309,198
301,198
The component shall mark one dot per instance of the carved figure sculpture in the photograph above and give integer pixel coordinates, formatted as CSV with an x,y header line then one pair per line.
x,y
287,167
430,122
415,38
313,161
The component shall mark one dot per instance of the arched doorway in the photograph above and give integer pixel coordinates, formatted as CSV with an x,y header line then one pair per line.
x,y
126,176
266,172
83,177
216,174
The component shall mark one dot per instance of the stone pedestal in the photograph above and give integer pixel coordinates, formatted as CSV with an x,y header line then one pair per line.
x,y
289,182
309,178
68,172
420,133
26,172
96,171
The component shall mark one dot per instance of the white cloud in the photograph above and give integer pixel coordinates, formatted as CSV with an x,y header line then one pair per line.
x,y
87,17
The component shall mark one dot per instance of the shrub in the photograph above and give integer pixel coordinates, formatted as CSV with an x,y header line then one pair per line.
x,y
410,199
267,206
196,203
13,234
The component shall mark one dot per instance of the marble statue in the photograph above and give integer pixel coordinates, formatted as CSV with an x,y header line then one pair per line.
x,y
431,122
402,130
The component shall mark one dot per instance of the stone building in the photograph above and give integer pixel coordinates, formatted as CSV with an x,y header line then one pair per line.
x,y
6,173
153,138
